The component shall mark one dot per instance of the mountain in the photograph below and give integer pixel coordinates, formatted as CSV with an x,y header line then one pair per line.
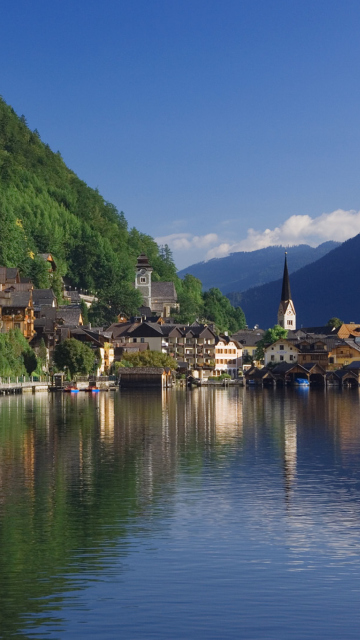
x,y
321,290
45,207
244,269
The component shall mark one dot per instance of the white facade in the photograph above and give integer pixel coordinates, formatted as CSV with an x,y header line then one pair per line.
x,y
287,315
281,351
228,358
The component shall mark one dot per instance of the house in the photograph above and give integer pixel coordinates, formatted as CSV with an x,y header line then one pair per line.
x,y
282,350
159,297
17,312
248,339
69,315
228,356
313,350
345,352
43,298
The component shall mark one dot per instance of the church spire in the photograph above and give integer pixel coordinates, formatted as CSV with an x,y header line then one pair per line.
x,y
286,312
285,292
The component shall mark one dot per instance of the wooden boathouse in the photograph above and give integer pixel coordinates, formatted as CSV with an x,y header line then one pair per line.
x,y
145,377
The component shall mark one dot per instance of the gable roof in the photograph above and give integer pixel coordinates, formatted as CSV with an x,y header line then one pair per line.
x,y
43,296
163,291
69,314
147,330
21,299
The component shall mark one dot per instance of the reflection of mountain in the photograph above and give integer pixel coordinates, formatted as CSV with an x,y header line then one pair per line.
x,y
78,476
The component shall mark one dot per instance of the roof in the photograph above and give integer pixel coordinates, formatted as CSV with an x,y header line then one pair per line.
x,y
147,330
285,291
163,291
143,262
43,296
69,314
145,370
21,299
73,295
353,365
248,338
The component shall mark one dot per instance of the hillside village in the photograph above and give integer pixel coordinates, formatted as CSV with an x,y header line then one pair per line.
x,y
321,355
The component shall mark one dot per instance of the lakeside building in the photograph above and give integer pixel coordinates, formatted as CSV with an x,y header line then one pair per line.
x,y
228,356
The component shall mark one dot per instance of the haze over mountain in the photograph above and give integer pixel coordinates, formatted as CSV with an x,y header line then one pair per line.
x,y
320,290
245,269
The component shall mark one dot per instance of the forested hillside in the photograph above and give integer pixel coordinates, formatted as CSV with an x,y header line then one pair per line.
x,y
244,269
45,207
320,291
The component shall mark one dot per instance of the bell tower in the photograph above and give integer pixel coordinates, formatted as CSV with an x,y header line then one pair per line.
x,y
286,312
143,279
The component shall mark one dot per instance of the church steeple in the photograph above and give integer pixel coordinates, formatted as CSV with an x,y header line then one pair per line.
x,y
285,292
286,312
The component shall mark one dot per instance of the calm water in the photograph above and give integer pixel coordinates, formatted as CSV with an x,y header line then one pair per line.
x,y
183,514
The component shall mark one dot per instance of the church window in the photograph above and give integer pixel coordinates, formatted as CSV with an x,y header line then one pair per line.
x,y
143,280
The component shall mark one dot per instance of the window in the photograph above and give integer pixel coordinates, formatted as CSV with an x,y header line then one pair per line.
x,y
16,325
291,357
281,347
134,339
281,358
142,339
142,280
272,358
289,321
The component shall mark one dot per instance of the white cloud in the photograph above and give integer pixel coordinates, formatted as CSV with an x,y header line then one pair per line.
x,y
187,241
339,225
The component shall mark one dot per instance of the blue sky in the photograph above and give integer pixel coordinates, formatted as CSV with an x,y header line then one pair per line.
x,y
199,119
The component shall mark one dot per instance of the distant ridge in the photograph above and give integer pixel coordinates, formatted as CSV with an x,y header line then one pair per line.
x,y
244,269
326,288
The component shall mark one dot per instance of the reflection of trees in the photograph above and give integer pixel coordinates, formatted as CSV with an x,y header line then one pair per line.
x,y
77,473
79,476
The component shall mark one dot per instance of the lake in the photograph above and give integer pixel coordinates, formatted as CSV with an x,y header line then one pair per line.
x,y
181,514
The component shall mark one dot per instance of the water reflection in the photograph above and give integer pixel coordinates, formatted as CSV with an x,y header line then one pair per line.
x,y
83,478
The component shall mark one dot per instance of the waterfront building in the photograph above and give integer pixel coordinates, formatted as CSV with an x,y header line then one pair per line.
x,y
228,356
282,350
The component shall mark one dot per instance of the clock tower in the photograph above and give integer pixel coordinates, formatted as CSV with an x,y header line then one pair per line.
x,y
143,279
286,312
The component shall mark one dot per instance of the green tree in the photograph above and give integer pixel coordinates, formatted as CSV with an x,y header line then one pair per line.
x,y
75,356
334,322
269,337
149,359
218,309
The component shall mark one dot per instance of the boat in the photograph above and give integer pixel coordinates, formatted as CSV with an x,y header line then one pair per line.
x,y
92,389
71,390
302,382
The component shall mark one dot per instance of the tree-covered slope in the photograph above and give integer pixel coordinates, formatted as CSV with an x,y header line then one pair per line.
x,y
44,207
244,269
321,290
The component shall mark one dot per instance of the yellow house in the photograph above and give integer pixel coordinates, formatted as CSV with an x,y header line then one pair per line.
x,y
346,352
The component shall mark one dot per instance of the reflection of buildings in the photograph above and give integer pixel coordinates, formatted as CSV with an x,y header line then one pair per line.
x,y
290,451
106,416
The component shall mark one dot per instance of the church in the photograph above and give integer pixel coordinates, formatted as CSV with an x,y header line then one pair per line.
x,y
158,297
286,313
